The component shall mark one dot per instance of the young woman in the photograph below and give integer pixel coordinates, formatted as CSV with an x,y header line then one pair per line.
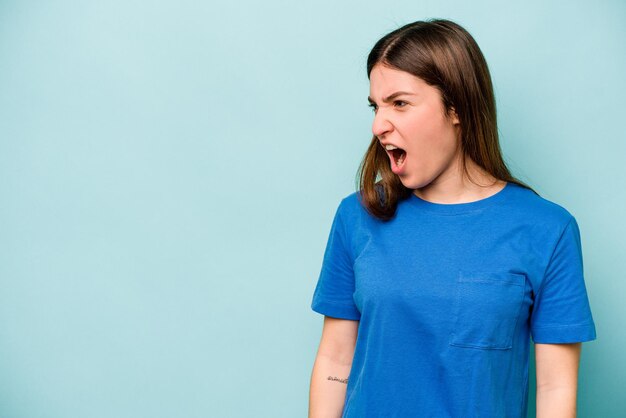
x,y
442,266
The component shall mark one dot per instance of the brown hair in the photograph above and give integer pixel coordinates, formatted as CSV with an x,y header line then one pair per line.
x,y
447,57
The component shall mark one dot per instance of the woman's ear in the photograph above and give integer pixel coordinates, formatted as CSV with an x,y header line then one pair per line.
x,y
454,116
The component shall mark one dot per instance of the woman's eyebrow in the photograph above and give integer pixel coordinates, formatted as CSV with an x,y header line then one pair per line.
x,y
392,96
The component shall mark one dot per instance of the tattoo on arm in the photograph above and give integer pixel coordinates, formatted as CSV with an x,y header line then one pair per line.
x,y
338,380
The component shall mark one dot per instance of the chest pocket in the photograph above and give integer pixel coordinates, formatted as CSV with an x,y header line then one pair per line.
x,y
486,309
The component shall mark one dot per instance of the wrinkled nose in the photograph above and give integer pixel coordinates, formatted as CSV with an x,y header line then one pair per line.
x,y
381,125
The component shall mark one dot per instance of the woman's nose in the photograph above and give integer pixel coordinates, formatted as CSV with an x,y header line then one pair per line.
x,y
381,125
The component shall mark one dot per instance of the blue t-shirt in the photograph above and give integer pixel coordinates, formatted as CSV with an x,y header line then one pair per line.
x,y
447,297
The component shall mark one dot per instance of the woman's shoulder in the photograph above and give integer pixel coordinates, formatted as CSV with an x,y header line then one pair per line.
x,y
351,203
534,206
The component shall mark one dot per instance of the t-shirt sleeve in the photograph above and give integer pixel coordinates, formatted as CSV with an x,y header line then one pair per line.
x,y
561,311
333,295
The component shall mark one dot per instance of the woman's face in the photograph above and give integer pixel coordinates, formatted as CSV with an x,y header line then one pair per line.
x,y
413,120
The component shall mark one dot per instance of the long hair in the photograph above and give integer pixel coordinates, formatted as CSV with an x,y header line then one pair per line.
x,y
447,57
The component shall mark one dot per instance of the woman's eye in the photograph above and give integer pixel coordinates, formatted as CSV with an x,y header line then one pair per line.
x,y
397,103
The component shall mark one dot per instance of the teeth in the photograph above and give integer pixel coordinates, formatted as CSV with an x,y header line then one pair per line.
x,y
390,147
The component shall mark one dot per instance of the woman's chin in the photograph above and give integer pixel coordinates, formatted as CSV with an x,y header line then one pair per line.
x,y
413,183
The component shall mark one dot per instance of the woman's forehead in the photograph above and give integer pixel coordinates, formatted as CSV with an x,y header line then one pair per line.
x,y
385,81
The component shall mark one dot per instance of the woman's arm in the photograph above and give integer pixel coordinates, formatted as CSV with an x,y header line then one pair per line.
x,y
333,363
557,379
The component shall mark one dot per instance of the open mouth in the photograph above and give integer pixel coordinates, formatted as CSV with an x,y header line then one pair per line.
x,y
398,155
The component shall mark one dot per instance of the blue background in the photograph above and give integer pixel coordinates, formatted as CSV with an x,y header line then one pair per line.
x,y
169,171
